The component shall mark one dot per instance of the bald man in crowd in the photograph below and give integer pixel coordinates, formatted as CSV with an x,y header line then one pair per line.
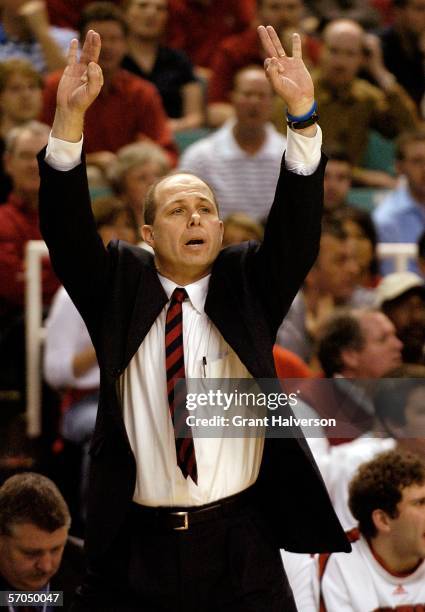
x,y
241,161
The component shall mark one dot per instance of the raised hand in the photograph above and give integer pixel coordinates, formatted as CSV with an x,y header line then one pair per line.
x,y
82,79
79,86
288,76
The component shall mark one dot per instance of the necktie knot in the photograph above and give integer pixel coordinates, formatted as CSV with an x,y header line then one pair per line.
x,y
179,295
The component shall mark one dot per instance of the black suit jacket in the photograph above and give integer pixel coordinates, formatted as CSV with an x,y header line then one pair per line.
x,y
119,295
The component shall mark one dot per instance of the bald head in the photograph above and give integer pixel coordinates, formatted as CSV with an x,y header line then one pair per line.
x,y
343,28
252,97
342,55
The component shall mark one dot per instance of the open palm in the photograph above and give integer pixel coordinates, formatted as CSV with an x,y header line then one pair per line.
x,y
82,79
288,75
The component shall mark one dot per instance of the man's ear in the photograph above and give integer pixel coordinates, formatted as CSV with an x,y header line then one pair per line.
x,y
381,520
148,235
350,358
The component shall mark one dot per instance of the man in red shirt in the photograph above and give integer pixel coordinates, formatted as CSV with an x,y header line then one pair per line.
x,y
129,107
19,217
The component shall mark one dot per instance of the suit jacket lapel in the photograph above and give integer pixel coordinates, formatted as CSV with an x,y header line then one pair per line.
x,y
150,300
223,307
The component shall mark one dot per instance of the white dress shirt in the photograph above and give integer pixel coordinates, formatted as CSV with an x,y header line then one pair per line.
x,y
225,465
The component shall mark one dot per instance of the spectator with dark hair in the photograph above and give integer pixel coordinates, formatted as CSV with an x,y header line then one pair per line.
x,y
243,49
358,344
361,230
331,282
401,296
170,70
338,178
400,217
135,168
403,46
386,568
25,32
129,108
36,553
353,348
241,161
20,101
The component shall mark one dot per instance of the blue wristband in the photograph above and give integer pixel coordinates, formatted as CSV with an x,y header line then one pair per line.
x,y
302,118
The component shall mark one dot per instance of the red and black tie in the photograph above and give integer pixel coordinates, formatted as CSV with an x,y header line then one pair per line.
x,y
176,385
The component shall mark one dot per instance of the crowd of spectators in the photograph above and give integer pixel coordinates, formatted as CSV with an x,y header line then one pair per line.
x,y
184,88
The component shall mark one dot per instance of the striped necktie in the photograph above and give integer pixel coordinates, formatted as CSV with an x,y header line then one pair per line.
x,y
176,385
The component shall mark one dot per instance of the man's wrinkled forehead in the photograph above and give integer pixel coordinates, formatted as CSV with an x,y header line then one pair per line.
x,y
182,185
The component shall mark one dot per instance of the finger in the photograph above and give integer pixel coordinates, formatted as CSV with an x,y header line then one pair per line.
x,y
72,52
296,46
273,73
91,48
266,41
95,79
280,51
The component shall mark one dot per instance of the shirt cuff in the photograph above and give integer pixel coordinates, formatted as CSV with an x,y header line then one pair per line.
x,y
63,155
303,153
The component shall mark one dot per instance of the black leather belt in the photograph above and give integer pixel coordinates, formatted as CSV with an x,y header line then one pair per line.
x,y
181,518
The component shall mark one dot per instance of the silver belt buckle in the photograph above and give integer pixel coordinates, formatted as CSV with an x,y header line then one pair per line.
x,y
184,527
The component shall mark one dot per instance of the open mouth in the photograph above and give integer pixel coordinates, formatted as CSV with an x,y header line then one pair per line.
x,y
194,241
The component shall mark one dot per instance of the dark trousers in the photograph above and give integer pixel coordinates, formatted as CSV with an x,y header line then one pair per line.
x,y
228,564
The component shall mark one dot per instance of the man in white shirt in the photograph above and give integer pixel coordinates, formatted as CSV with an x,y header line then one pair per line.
x,y
175,522
386,569
241,161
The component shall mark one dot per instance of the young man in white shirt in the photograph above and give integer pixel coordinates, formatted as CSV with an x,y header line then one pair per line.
x,y
386,569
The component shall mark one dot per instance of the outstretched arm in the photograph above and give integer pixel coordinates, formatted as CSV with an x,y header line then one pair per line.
x,y
79,86
292,234
66,220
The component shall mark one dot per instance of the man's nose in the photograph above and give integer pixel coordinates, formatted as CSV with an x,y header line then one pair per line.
x,y
194,219
398,344
45,563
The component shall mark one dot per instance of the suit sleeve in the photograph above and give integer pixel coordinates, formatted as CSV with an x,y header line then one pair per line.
x,y
291,241
76,250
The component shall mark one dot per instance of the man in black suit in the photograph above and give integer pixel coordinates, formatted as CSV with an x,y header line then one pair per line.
x,y
177,523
